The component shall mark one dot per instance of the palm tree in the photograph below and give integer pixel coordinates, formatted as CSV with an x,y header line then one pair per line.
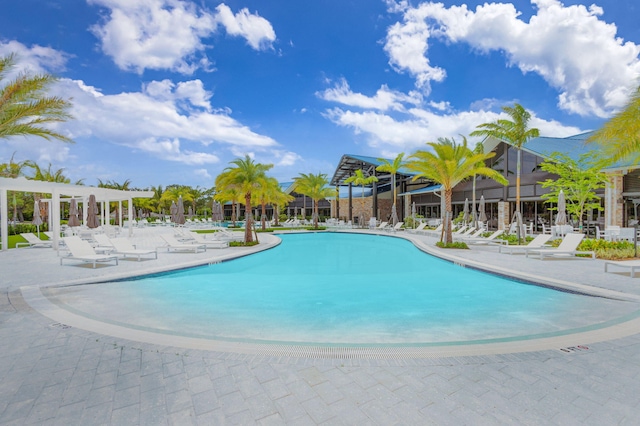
x,y
173,192
264,195
227,192
448,165
479,149
12,169
24,108
393,168
315,187
247,176
360,179
280,199
622,132
516,132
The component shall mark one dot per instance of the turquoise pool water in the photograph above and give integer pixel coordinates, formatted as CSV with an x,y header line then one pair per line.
x,y
342,289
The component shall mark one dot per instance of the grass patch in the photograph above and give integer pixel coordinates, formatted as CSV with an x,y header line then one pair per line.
x,y
453,245
242,244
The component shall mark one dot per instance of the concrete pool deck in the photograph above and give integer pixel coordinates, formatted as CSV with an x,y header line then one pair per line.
x,y
52,373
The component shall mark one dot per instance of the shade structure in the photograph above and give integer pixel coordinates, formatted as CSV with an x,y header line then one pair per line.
x,y
561,218
37,220
73,213
465,212
92,213
482,215
180,213
173,211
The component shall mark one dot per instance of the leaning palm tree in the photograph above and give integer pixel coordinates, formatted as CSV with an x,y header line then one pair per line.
x,y
315,187
247,176
392,168
360,179
24,106
448,165
622,132
516,132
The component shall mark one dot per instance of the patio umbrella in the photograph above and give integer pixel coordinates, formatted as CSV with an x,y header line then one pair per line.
x,y
190,211
180,213
173,210
465,216
92,213
561,218
37,220
73,213
482,215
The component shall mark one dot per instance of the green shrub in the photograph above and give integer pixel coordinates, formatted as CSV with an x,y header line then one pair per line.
x,y
512,239
454,245
607,249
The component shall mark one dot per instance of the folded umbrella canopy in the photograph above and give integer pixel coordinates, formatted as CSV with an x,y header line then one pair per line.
x,y
73,213
92,213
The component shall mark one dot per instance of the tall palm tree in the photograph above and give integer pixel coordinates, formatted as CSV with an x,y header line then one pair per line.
x,y
173,192
360,179
516,132
247,176
393,168
315,187
280,199
24,106
621,133
448,165
227,192
265,194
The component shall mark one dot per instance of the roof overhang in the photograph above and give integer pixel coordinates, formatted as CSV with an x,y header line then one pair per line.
x,y
350,163
64,189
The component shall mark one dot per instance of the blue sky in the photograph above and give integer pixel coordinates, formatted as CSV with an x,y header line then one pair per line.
x,y
169,91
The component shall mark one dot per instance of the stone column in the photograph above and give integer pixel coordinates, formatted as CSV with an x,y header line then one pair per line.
x,y
613,203
504,215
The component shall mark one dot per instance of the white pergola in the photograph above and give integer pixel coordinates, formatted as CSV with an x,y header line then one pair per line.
x,y
59,192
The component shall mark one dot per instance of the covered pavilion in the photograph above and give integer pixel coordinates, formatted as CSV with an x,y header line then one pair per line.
x,y
62,192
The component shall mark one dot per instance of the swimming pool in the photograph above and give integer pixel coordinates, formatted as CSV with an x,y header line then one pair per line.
x,y
332,288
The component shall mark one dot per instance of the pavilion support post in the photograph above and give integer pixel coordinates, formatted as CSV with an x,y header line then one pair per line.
x,y
55,218
350,202
4,218
130,214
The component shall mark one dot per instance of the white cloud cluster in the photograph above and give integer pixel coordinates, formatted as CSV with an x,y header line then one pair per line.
x,y
255,29
383,100
37,59
569,46
168,34
158,120
407,128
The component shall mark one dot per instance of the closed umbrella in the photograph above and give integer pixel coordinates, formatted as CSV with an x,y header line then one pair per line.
x,y
73,213
482,215
561,218
37,220
173,210
180,213
190,211
92,213
394,215
465,216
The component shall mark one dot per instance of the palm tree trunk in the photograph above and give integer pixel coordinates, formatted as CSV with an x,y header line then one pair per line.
x,y
448,215
248,236
264,216
315,209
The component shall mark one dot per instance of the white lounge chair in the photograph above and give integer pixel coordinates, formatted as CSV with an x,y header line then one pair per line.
x,y
124,247
566,249
383,225
491,239
175,245
213,243
225,235
103,242
538,242
33,241
631,264
433,232
82,251
418,229
469,234
397,227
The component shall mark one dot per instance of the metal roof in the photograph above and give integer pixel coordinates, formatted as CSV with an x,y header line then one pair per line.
x,y
425,190
350,163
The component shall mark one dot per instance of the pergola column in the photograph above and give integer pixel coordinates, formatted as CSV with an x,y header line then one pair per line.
x,y
55,217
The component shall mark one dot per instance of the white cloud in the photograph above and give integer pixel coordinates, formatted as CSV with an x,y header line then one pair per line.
x,y
35,59
570,47
255,29
169,34
202,173
383,100
170,150
408,132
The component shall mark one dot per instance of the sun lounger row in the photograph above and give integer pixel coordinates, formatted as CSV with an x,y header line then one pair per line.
x,y
568,248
